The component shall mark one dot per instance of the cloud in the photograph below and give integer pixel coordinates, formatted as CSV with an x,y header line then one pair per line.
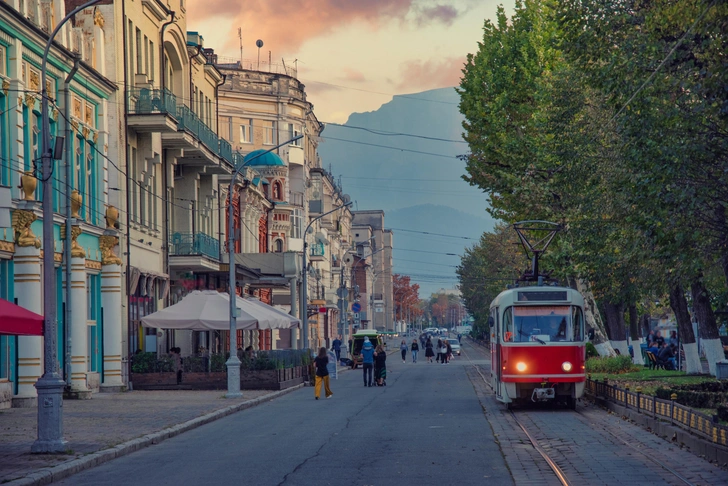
x,y
430,74
286,24
445,14
353,75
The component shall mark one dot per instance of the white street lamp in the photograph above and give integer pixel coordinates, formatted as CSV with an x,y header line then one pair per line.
x,y
304,291
233,363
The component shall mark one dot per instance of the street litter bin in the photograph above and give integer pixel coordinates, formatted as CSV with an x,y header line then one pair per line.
x,y
721,370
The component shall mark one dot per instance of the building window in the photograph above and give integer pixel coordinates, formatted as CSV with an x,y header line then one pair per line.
x,y
7,343
246,131
294,131
296,223
141,303
268,133
139,47
276,191
278,246
93,321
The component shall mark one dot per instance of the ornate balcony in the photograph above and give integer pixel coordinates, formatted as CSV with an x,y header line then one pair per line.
x,y
196,251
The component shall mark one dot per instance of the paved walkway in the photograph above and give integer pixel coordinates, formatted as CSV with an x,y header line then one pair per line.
x,y
105,421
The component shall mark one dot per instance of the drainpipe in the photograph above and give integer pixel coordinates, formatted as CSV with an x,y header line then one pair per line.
x,y
163,69
69,219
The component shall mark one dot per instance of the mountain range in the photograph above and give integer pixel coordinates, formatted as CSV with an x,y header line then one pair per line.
x,y
403,159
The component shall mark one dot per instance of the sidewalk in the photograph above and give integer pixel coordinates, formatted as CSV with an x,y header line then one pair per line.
x,y
111,420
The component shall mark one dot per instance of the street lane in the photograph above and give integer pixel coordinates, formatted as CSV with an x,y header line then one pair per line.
x,y
427,426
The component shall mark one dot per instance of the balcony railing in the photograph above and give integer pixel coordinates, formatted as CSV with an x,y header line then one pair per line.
x,y
185,244
145,101
317,250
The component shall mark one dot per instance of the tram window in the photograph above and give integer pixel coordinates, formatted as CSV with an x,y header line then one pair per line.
x,y
577,317
508,325
540,324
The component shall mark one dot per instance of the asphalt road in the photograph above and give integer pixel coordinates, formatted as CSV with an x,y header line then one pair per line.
x,y
426,426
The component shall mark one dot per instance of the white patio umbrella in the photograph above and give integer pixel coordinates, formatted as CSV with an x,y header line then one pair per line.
x,y
279,314
208,310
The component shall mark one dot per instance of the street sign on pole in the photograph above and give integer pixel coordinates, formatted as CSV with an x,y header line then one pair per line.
x,y
356,307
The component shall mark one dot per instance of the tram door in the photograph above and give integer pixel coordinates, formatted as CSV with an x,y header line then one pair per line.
x,y
495,351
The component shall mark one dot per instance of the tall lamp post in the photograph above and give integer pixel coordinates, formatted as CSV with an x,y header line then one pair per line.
x,y
304,291
233,363
50,385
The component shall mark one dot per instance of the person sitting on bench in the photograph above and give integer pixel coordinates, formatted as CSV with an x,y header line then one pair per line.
x,y
666,357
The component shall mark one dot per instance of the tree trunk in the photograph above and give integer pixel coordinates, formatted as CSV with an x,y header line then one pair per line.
x,y
645,320
614,314
708,327
634,333
594,320
679,306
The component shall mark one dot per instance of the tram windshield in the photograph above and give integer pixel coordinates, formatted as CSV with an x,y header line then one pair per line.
x,y
543,324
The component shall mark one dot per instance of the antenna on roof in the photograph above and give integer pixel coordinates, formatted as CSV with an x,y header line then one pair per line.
x,y
259,43
240,37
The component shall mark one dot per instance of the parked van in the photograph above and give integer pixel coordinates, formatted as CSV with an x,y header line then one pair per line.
x,y
357,341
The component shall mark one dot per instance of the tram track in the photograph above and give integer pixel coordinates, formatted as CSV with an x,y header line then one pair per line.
x,y
557,470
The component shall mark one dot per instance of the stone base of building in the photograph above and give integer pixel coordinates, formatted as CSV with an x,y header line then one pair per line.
x,y
112,388
25,402
77,394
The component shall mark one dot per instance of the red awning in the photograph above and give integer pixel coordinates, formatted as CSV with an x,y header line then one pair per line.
x,y
18,321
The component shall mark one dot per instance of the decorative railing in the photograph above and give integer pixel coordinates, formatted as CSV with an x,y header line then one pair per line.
x,y
680,415
146,101
182,244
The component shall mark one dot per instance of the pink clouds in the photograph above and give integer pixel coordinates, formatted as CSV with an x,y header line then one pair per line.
x,y
286,24
353,75
431,73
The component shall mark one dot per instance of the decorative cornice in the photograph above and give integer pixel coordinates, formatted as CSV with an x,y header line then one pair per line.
x,y
93,265
8,246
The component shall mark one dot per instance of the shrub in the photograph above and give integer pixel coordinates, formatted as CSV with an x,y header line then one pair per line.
x,y
615,364
217,362
591,351
700,395
722,410
148,363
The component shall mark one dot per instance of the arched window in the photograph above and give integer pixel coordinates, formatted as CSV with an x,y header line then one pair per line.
x,y
278,246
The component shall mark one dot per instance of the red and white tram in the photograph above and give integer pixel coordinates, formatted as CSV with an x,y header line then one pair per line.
x,y
538,345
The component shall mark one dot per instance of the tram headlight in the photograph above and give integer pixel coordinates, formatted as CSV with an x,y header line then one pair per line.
x,y
566,366
521,366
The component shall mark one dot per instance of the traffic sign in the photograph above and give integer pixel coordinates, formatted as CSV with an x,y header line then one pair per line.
x,y
356,307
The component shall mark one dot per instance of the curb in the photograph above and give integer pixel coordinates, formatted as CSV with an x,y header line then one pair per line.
x,y
62,471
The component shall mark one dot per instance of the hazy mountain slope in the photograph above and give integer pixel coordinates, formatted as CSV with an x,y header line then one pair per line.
x,y
419,189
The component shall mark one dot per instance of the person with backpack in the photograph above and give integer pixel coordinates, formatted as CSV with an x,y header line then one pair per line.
x,y
367,361
403,349
415,350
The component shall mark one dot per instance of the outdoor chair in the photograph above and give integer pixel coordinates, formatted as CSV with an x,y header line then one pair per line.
x,y
654,364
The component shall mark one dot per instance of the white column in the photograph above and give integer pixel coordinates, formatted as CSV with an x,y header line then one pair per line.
x,y
111,304
30,348
79,331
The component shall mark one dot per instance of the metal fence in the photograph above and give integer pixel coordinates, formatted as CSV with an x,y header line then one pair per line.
x,y
183,244
680,415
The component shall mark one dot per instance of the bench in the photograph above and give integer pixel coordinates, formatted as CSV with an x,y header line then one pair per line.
x,y
652,362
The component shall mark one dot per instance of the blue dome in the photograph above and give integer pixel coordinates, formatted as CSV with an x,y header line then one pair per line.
x,y
255,158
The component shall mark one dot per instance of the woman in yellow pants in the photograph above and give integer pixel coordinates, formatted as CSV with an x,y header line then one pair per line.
x,y
322,374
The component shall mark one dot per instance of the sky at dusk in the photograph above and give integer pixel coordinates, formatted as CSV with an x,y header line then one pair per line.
x,y
352,55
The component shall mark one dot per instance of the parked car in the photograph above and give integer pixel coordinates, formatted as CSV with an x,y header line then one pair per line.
x,y
455,345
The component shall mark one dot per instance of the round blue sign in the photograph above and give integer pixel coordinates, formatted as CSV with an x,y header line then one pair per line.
x,y
356,307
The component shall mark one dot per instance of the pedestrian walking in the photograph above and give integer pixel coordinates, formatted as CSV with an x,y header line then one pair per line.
x,y
367,361
439,358
403,350
415,350
448,351
460,337
322,374
336,348
380,366
429,353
